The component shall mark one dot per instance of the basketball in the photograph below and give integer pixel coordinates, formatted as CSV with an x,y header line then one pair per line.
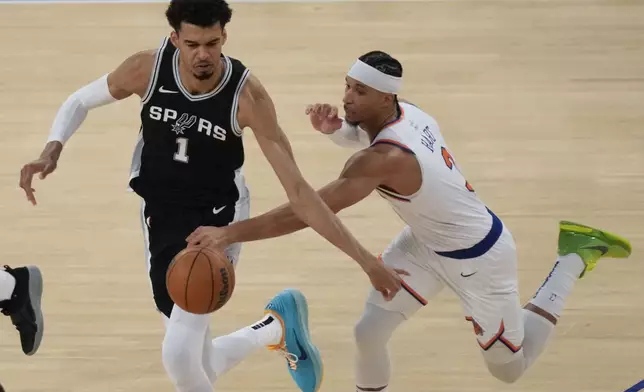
x,y
200,280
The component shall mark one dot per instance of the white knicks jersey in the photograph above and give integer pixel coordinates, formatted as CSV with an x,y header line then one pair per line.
x,y
445,213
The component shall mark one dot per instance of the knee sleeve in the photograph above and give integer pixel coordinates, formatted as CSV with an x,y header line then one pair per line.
x,y
182,352
179,355
372,332
508,372
375,327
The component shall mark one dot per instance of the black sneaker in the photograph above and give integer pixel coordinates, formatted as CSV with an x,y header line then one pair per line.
x,y
24,306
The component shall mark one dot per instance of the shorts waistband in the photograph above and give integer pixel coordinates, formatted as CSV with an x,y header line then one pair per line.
x,y
481,247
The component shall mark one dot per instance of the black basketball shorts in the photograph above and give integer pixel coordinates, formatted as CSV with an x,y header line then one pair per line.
x,y
165,229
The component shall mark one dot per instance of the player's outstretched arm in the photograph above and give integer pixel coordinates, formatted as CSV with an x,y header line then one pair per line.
x,y
258,112
363,172
361,175
131,77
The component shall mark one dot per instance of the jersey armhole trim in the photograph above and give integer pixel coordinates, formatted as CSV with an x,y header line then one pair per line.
x,y
386,192
390,192
155,72
394,143
235,108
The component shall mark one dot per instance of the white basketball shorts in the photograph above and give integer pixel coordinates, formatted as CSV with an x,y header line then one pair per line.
x,y
487,286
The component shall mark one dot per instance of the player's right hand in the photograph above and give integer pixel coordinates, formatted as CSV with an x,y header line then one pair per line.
x,y
208,236
324,117
386,280
44,166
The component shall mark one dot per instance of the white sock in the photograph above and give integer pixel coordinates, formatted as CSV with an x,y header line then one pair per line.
x,y
537,333
558,285
228,351
267,331
7,284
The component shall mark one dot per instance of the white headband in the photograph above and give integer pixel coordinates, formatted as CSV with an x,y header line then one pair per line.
x,y
373,78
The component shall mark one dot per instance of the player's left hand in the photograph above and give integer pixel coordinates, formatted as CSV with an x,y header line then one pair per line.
x,y
208,236
45,166
324,118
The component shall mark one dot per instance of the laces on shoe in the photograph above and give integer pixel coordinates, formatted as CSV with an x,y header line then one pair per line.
x,y
291,358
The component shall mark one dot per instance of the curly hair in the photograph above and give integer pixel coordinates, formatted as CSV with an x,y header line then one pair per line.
x,y
202,13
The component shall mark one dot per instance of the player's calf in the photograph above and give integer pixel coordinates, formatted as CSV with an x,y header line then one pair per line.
x,y
24,306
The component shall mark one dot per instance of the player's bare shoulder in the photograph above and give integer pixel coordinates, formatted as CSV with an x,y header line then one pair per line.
x,y
254,103
381,159
132,76
392,155
391,166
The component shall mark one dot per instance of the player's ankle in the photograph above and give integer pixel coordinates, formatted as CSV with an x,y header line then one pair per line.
x,y
269,331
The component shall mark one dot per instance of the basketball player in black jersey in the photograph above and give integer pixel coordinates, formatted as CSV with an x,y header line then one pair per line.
x,y
187,168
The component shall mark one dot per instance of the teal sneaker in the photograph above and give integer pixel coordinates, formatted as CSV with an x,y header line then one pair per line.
x,y
302,357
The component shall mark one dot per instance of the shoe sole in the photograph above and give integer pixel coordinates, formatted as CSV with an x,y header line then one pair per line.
x,y
611,239
304,335
35,296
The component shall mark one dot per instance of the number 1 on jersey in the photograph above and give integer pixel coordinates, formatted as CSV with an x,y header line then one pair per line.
x,y
182,153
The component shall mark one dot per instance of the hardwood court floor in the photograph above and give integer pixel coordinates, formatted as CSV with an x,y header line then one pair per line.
x,y
540,101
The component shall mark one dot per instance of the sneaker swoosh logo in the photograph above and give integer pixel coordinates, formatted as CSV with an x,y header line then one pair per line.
x,y
303,356
467,276
601,248
164,91
218,210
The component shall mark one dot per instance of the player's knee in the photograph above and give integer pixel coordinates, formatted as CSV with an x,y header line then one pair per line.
x,y
364,335
375,327
178,359
508,372
174,356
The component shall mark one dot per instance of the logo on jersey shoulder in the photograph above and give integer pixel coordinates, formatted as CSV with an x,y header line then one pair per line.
x,y
186,121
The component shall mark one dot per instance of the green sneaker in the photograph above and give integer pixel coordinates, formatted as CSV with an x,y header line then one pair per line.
x,y
591,244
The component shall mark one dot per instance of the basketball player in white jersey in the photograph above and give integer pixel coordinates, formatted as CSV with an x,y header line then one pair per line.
x,y
187,168
451,239
20,300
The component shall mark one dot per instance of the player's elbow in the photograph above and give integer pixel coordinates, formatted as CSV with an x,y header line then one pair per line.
x,y
300,196
304,200
335,205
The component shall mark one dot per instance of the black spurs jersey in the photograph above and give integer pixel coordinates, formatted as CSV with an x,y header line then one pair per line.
x,y
190,149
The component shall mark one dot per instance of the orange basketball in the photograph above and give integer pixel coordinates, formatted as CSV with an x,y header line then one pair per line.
x,y
200,280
